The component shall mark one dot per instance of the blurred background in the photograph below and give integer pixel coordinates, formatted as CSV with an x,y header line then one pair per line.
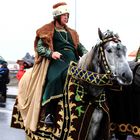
x,y
21,18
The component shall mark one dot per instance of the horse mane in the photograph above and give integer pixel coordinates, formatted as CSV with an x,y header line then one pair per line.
x,y
90,59
85,60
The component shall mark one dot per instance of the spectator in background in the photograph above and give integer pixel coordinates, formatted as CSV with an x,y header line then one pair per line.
x,y
20,72
25,63
4,79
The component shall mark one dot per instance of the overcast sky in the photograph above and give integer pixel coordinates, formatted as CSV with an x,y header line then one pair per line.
x,y
19,20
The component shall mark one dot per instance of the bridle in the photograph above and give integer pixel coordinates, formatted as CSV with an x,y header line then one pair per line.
x,y
102,55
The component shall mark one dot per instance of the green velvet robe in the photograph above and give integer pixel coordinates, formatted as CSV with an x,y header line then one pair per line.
x,y
57,71
58,68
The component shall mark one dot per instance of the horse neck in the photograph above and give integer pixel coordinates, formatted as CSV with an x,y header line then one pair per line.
x,y
90,62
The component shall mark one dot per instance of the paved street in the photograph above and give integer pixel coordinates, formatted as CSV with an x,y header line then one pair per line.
x,y
6,132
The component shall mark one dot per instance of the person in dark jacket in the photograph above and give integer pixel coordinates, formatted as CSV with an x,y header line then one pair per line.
x,y
4,80
59,44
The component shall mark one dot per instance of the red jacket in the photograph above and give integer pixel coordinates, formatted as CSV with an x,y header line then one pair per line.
x,y
20,72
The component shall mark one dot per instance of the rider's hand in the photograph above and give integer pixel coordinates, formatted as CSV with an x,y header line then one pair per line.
x,y
56,55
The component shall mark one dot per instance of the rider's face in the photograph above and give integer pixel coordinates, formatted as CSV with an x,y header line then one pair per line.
x,y
64,19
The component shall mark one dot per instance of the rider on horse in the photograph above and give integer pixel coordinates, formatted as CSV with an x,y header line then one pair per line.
x,y
59,44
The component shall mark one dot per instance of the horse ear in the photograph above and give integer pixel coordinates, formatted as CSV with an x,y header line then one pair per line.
x,y
100,34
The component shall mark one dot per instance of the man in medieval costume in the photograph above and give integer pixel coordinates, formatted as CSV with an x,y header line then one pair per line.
x,y
55,46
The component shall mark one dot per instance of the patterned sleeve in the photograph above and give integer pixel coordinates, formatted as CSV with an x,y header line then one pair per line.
x,y
43,51
81,50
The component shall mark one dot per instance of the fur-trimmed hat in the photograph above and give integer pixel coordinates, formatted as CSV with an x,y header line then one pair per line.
x,y
60,8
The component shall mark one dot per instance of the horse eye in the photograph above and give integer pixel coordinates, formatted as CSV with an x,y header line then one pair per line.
x,y
109,51
118,47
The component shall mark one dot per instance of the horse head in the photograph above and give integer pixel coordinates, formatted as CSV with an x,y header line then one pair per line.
x,y
109,56
115,55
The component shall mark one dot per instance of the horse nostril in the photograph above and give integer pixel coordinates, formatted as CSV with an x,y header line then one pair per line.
x,y
123,75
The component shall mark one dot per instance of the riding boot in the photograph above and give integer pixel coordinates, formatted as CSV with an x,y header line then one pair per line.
x,y
50,113
49,120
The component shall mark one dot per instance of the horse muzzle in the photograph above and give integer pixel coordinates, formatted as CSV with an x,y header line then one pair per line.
x,y
124,78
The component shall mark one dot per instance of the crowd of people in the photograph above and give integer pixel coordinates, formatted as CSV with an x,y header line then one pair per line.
x,y
25,63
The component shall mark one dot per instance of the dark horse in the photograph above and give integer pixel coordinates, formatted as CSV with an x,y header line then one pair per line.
x,y
125,106
80,113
